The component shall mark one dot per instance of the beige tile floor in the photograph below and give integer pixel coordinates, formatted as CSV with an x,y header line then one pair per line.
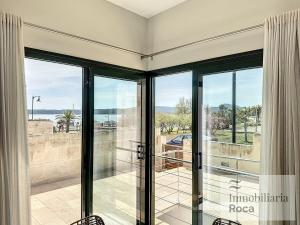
x,y
57,207
115,200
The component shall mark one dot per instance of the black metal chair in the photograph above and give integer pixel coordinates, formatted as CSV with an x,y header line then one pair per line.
x,y
220,221
90,220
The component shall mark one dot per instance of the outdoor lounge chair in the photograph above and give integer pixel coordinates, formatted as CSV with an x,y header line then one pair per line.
x,y
90,220
220,221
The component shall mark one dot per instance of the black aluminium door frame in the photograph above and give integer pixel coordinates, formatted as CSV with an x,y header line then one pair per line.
x,y
248,60
223,64
232,63
195,159
129,75
88,66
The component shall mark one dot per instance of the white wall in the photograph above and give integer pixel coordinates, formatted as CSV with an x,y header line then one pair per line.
x,y
198,19
94,19
105,22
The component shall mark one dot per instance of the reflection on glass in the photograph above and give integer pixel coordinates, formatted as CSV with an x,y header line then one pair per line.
x,y
248,101
54,139
117,116
173,151
231,169
217,102
217,128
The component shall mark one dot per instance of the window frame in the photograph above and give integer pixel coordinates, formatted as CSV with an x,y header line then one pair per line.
x,y
231,63
88,68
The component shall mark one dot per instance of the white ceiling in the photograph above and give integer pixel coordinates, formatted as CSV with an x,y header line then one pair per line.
x,y
147,8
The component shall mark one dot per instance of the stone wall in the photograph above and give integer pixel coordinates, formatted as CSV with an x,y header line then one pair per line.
x,y
39,127
216,154
54,157
57,156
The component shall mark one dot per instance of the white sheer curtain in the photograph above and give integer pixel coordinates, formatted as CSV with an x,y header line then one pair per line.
x,y
281,106
14,177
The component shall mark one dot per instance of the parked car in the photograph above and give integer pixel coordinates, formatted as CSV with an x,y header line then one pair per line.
x,y
178,140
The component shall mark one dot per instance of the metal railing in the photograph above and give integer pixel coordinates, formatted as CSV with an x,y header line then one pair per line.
x,y
211,183
180,187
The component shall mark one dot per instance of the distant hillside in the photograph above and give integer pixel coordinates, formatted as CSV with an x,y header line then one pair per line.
x,y
52,111
168,109
78,112
161,109
216,108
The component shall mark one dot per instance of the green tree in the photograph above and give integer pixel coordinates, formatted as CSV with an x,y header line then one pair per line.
x,y
184,106
184,122
224,114
217,122
243,116
160,119
257,112
184,114
180,123
170,123
207,112
67,117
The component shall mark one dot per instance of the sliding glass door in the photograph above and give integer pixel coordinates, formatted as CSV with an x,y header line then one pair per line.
x,y
54,100
118,149
206,142
89,153
172,154
231,137
86,140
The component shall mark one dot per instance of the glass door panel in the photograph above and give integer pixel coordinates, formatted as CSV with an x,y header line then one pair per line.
x,y
172,154
231,144
217,130
118,150
54,99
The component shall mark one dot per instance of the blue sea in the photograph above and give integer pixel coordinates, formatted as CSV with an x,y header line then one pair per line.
x,y
98,117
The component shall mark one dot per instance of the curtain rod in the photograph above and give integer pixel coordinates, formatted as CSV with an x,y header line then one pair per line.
x,y
82,38
144,56
255,27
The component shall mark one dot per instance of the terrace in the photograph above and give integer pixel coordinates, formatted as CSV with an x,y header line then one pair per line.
x,y
172,192
59,202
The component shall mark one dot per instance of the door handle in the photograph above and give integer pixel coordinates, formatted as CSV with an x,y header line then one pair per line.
x,y
200,160
140,152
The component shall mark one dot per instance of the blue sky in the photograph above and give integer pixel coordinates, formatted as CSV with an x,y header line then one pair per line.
x,y
60,87
249,87
217,88
113,93
169,89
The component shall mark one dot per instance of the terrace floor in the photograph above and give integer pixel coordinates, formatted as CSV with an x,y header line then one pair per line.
x,y
115,202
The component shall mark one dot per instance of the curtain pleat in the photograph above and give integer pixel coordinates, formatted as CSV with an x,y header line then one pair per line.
x,y
281,108
14,159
